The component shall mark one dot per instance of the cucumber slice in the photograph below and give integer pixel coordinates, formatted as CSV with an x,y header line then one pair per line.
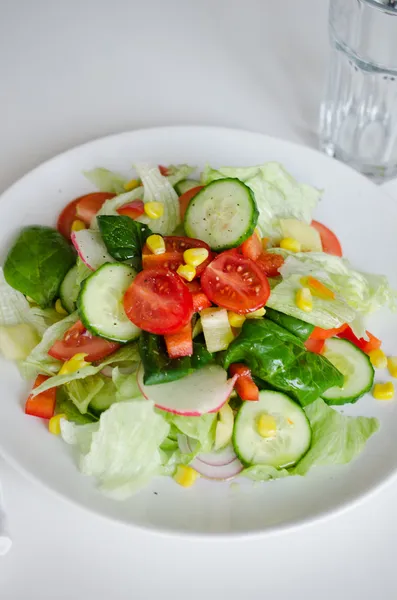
x,y
356,367
69,290
292,434
223,214
100,403
185,185
100,303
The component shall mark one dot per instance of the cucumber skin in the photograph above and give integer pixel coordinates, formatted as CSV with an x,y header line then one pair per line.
x,y
235,445
83,318
247,233
66,303
353,399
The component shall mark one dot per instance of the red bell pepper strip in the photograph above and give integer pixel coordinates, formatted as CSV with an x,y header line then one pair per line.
x,y
42,405
373,343
180,343
244,386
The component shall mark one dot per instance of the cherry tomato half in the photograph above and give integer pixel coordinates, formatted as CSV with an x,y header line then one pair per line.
x,y
175,246
269,263
133,209
78,339
329,241
66,218
235,283
185,198
88,205
158,301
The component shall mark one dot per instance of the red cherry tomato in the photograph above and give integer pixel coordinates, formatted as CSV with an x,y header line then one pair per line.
x,y
185,198
88,205
252,247
77,339
133,209
269,263
329,241
163,170
235,283
158,301
175,246
66,218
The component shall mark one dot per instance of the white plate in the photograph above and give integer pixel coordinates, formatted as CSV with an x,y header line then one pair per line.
x,y
365,220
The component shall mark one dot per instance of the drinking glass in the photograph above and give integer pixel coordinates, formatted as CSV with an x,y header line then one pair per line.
x,y
358,117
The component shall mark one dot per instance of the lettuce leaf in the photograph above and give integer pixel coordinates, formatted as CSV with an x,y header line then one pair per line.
x,y
106,181
159,189
175,173
122,451
82,391
110,206
126,384
200,428
278,195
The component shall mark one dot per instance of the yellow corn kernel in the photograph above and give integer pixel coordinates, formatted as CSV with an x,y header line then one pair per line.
x,y
378,359
54,424
235,320
74,364
383,391
257,314
186,272
131,185
154,210
59,308
392,365
185,475
195,256
266,425
78,225
290,244
156,244
304,300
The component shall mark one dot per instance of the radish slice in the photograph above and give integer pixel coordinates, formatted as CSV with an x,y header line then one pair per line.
x,y
204,391
219,472
91,248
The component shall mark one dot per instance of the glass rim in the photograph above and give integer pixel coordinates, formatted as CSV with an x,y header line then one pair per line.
x,y
381,7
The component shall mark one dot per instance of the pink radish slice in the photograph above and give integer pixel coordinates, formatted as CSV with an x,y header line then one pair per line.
x,y
216,472
215,459
90,248
204,391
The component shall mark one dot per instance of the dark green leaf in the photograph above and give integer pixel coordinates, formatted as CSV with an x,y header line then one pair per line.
x,y
124,238
159,368
280,359
299,328
37,263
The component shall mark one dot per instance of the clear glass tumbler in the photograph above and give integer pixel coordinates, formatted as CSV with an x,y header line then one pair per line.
x,y
358,120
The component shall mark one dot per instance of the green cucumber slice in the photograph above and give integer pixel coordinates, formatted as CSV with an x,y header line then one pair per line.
x,y
185,185
69,290
100,303
223,214
292,436
356,367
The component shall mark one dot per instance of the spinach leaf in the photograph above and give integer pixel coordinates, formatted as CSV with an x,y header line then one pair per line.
x,y
124,238
299,328
159,368
37,263
281,360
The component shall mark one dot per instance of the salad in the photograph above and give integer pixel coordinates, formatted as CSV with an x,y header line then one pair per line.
x,y
183,327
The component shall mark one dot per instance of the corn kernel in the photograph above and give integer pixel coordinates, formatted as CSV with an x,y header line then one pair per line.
x,y
74,364
186,272
235,320
392,365
78,225
185,476
131,185
156,244
154,210
290,244
304,299
266,425
59,308
378,358
257,314
195,256
383,391
54,424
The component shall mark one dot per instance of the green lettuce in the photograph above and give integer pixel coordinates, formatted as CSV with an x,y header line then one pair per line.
x,y
278,195
106,181
175,173
201,429
126,384
159,189
110,206
122,451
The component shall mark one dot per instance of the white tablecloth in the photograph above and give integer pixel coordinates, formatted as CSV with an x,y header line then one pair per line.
x,y
73,70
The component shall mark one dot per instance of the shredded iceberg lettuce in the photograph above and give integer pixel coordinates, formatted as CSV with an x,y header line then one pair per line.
x,y
106,181
159,189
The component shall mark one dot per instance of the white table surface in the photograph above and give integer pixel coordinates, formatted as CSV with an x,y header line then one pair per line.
x,y
74,70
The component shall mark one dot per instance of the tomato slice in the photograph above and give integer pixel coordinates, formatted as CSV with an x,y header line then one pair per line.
x,y
269,263
78,339
316,346
366,346
185,198
235,283
66,218
329,241
172,258
245,385
88,205
323,334
42,405
163,170
252,247
133,209
158,301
